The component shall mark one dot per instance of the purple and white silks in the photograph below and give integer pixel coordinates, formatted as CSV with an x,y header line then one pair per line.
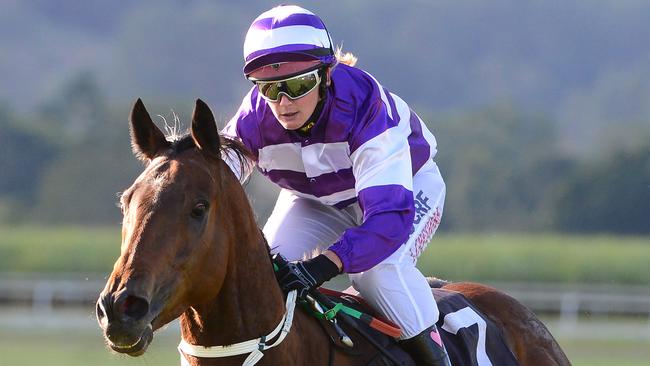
x,y
366,146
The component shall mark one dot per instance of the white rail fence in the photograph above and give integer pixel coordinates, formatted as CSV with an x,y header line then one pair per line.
x,y
569,301
43,294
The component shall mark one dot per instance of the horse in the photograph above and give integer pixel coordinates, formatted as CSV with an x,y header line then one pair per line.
x,y
191,248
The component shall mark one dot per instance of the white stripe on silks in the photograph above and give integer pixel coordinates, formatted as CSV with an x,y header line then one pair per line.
x,y
282,12
313,160
386,158
254,346
281,157
320,159
260,39
428,136
331,199
383,96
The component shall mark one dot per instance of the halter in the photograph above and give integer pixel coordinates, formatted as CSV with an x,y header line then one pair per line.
x,y
254,346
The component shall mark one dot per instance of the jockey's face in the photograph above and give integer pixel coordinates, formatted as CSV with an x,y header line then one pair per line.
x,y
291,113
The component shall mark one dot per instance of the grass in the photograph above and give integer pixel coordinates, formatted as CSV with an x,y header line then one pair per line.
x,y
546,258
479,257
58,249
491,257
494,257
78,348
607,352
85,347
484,257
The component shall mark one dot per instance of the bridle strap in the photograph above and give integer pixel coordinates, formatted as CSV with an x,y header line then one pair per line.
x,y
253,346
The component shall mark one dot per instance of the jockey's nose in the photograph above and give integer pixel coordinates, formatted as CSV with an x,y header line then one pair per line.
x,y
284,100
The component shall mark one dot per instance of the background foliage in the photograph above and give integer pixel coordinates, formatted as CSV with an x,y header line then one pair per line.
x,y
540,108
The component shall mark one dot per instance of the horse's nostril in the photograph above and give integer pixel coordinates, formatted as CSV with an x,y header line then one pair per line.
x,y
134,307
103,309
99,311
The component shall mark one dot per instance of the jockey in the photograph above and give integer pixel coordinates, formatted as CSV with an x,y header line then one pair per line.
x,y
356,169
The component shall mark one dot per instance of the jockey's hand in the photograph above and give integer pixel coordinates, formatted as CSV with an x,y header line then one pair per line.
x,y
304,275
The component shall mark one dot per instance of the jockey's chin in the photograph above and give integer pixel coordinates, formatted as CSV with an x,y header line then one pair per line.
x,y
293,114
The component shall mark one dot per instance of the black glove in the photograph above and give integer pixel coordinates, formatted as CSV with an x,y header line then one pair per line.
x,y
304,275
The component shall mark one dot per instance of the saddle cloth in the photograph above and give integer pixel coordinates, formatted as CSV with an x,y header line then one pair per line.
x,y
470,337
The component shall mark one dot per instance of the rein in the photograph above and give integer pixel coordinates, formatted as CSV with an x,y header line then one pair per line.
x,y
253,346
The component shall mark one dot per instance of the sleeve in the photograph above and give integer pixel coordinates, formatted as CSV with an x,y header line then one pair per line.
x,y
381,164
241,166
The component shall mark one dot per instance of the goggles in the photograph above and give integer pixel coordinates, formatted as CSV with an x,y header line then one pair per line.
x,y
293,88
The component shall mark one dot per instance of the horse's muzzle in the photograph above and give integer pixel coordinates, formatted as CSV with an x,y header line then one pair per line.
x,y
126,322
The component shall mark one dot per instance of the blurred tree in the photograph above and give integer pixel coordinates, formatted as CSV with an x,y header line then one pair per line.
x,y
585,64
607,195
82,186
96,162
23,158
499,164
611,114
78,112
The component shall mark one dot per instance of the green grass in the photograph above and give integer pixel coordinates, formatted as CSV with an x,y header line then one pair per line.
x,y
58,249
78,348
82,347
552,258
479,257
607,352
490,257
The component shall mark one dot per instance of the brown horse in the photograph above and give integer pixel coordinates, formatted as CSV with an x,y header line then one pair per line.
x,y
191,249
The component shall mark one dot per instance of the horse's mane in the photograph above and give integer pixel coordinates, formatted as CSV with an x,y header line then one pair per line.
x,y
228,145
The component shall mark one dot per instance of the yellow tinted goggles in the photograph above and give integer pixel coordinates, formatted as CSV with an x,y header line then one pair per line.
x,y
293,88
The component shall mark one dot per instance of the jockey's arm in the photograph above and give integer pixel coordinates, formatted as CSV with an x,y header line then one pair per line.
x,y
381,164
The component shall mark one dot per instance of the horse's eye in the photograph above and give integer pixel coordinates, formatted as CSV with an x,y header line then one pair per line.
x,y
199,209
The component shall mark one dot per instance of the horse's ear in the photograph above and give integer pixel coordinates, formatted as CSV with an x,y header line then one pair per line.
x,y
147,140
204,130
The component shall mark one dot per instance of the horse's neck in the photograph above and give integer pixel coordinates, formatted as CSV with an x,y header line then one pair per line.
x,y
249,303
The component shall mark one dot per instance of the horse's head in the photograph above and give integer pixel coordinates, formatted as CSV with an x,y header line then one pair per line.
x,y
175,238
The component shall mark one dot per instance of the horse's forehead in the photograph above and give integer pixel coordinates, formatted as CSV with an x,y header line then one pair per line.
x,y
163,171
192,166
158,173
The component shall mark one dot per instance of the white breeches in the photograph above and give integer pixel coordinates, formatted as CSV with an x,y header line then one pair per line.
x,y
298,228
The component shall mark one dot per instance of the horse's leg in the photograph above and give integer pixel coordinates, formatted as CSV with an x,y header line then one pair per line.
x,y
526,335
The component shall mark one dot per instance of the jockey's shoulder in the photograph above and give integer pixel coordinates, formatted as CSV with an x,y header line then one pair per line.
x,y
354,84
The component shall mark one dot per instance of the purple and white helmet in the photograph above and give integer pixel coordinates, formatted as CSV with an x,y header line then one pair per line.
x,y
286,33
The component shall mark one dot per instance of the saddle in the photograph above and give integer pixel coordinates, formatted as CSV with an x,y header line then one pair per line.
x,y
470,337
382,332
